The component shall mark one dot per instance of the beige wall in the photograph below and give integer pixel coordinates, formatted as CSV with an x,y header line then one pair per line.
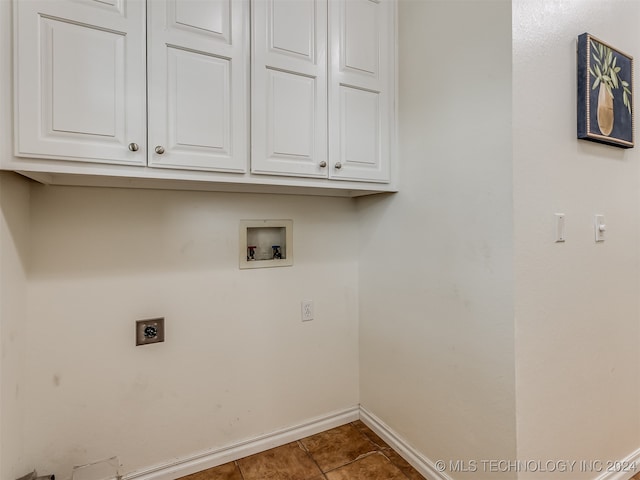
x,y
577,302
14,244
237,361
436,281
446,312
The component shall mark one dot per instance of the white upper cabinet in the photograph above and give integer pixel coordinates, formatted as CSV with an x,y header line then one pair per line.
x,y
289,87
290,96
198,62
80,80
322,88
361,89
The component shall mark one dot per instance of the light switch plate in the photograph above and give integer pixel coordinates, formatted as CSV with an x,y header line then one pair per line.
x,y
599,227
560,236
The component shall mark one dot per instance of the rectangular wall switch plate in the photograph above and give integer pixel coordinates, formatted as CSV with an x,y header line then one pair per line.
x,y
560,236
599,227
149,331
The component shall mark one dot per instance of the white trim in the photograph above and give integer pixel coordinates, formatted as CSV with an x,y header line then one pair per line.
x,y
632,459
213,458
428,468
422,464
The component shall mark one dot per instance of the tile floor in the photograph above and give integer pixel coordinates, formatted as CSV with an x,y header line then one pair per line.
x,y
349,452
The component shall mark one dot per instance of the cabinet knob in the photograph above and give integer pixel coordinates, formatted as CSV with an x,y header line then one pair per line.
x,y
338,165
159,149
133,147
323,164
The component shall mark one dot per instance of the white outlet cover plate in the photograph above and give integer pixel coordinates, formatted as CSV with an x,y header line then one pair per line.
x,y
307,310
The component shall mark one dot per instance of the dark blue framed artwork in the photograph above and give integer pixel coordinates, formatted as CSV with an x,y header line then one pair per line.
x,y
605,93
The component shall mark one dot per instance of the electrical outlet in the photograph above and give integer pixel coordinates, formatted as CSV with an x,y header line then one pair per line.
x,y
149,331
307,310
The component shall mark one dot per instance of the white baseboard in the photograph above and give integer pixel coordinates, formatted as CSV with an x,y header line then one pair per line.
x,y
631,460
213,458
426,467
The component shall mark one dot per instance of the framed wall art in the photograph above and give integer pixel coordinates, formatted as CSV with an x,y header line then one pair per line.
x,y
605,93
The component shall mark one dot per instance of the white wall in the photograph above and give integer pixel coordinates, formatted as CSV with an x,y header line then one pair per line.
x,y
237,361
479,337
436,267
14,243
576,303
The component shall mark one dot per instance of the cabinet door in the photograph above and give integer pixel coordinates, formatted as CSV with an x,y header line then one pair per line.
x,y
289,87
361,88
198,84
80,80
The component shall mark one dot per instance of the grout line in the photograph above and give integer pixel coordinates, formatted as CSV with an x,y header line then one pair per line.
x,y
366,437
398,466
306,450
312,458
381,448
377,449
303,447
235,462
364,455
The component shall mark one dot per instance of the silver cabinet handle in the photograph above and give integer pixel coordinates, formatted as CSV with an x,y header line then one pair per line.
x,y
338,165
159,150
133,147
323,164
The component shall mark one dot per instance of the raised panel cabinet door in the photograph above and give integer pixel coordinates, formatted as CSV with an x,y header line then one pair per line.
x,y
80,80
289,88
198,74
361,89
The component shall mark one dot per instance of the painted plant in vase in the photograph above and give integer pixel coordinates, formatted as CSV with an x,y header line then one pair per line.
x,y
605,93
